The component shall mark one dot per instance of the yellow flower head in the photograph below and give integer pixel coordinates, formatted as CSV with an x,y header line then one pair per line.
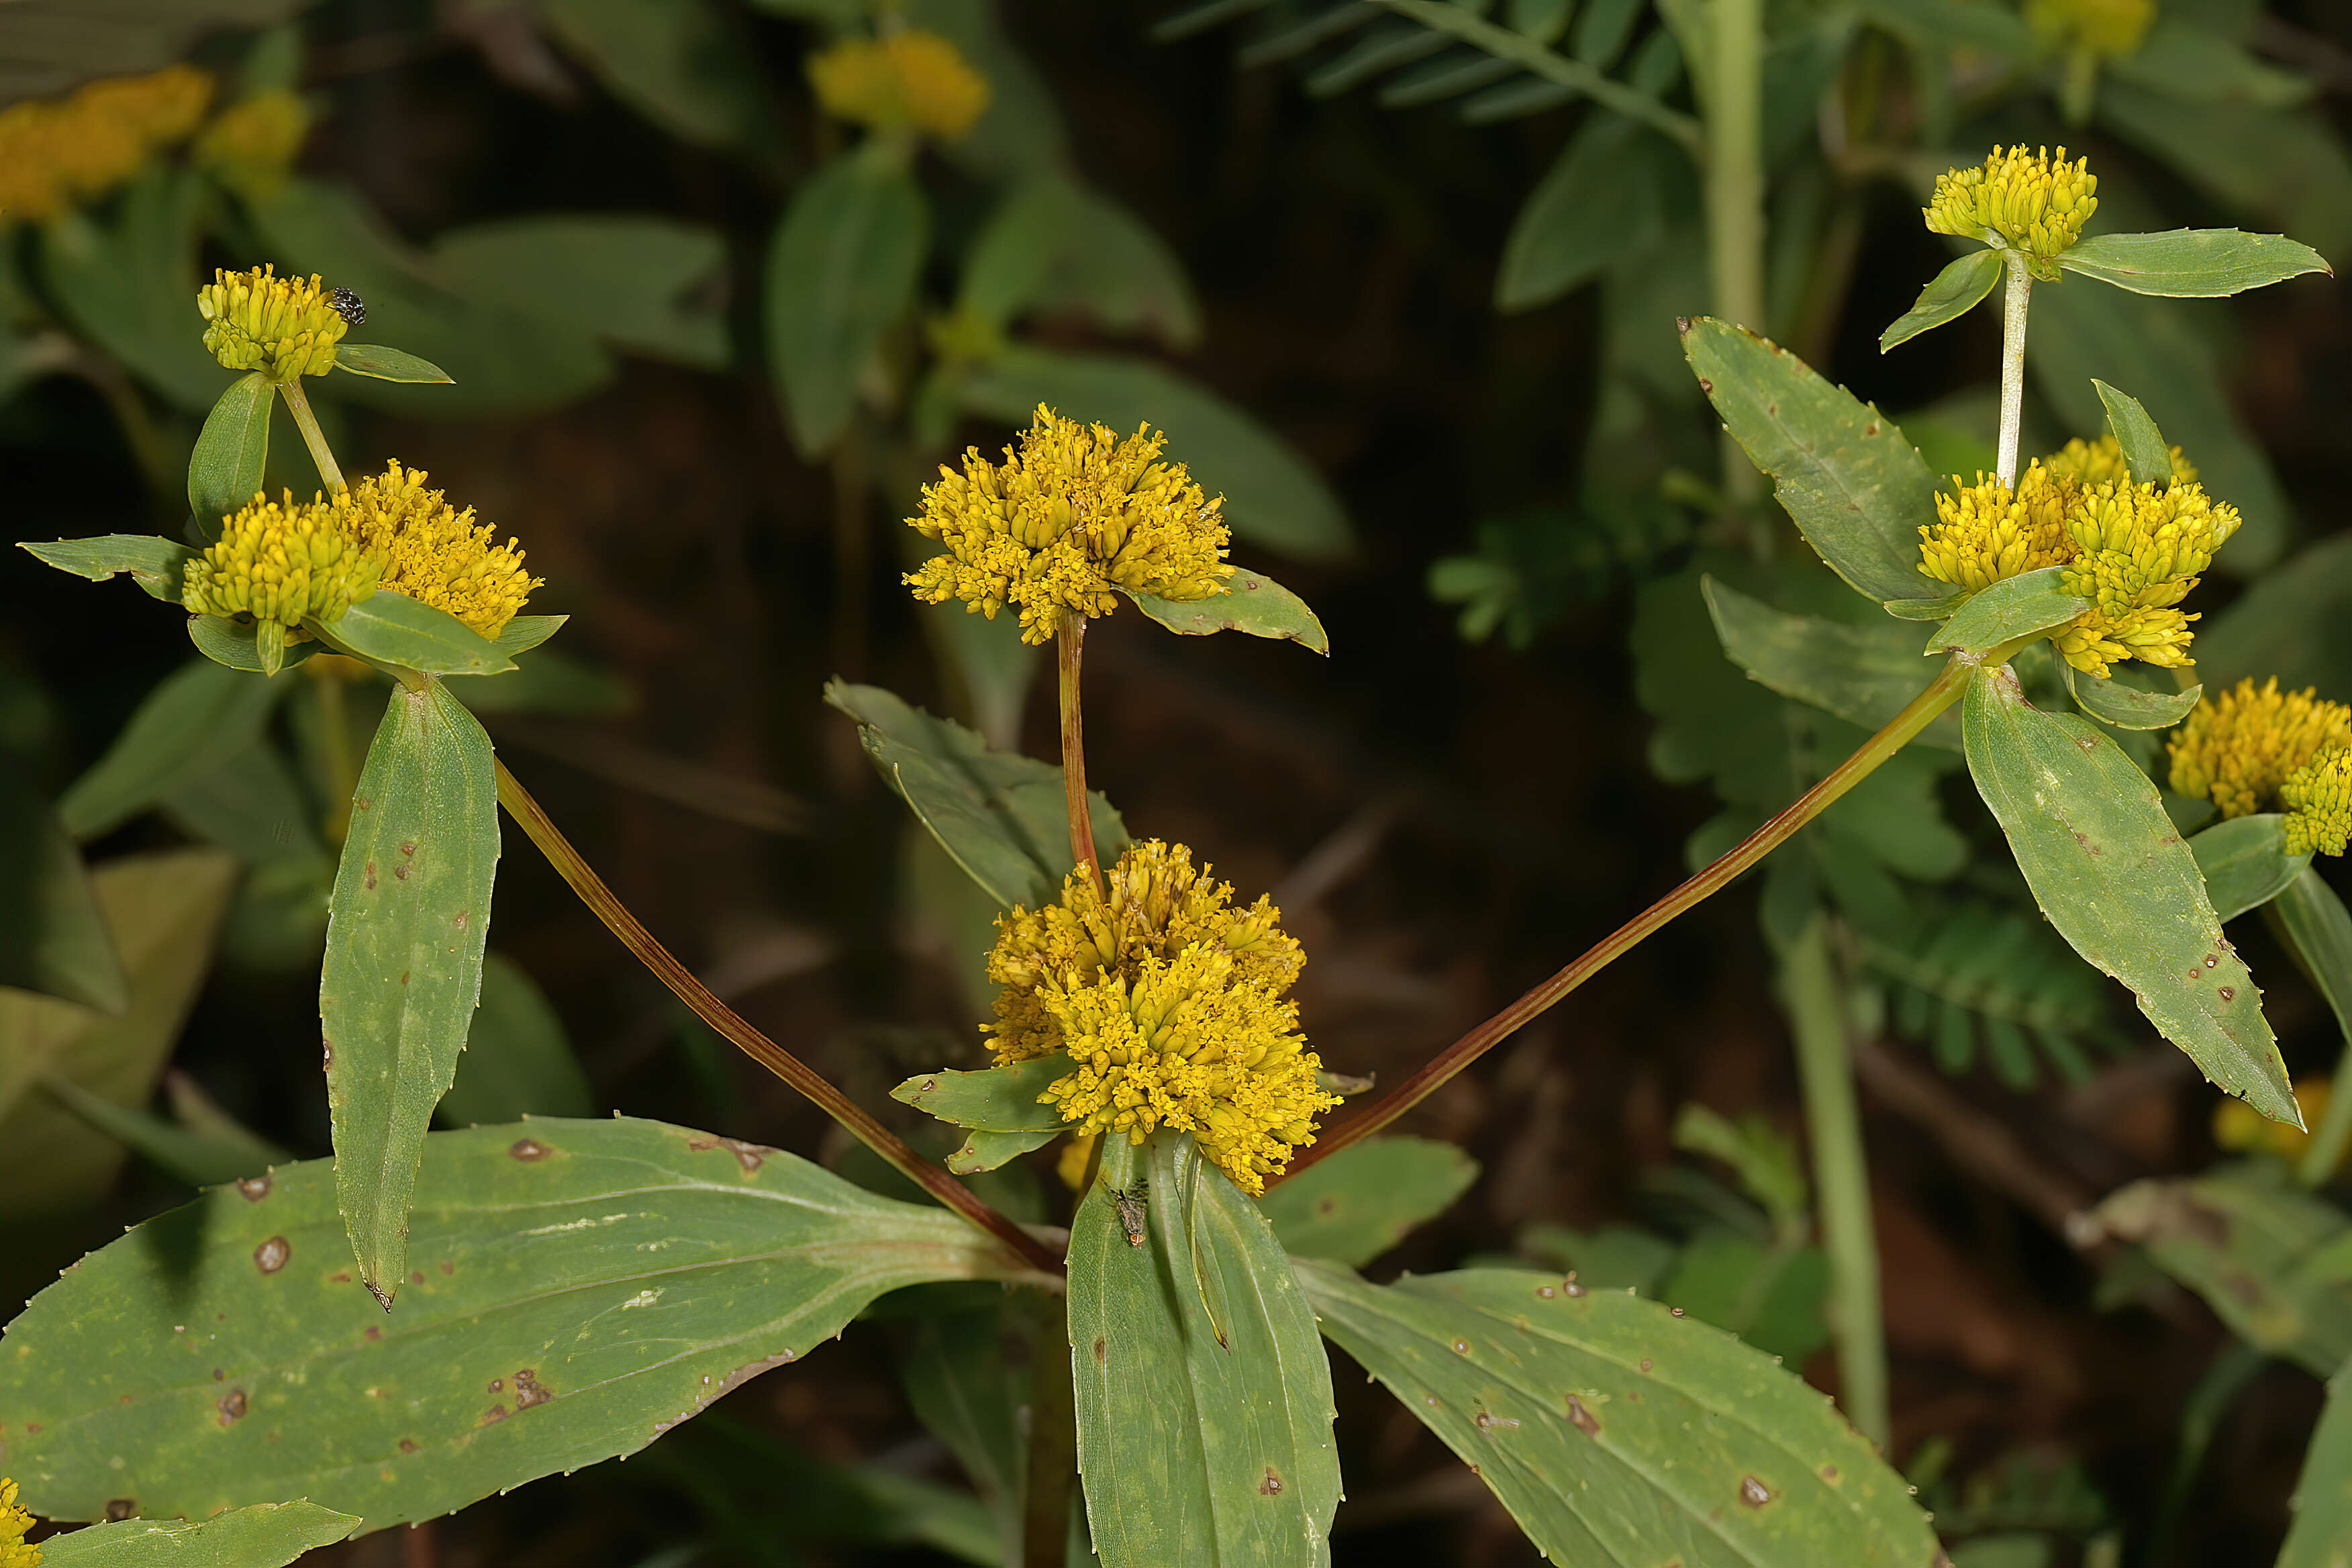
x,y
14,1522
253,143
2318,799
281,563
1076,514
1987,531
1171,1003
2025,201
53,155
2138,551
284,327
910,80
2237,748
2102,27
2239,1126
435,554
2102,462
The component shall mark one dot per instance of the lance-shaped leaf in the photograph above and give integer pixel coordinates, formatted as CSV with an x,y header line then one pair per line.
x,y
1203,1394
2268,1258
2110,701
997,1107
237,646
225,468
579,1287
2143,450
2321,1536
197,718
2110,870
2319,929
404,931
1362,1201
2244,862
1252,602
266,1535
380,364
53,939
1856,490
396,629
1950,295
841,269
1864,674
155,565
2011,608
2191,263
1000,817
1621,1432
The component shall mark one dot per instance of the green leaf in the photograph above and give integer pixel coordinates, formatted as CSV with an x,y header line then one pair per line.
x,y
1054,245
2321,1535
2244,862
380,363
127,285
523,633
1001,817
196,718
1619,1433
580,1287
636,280
196,1156
1360,1202
1942,609
969,1391
2011,608
994,1099
1770,1295
224,469
2320,930
984,1148
406,927
161,913
2111,872
519,1062
1864,674
2256,1248
2110,701
265,1535
1950,295
237,646
1854,488
156,564
841,271
53,939
2191,263
1600,203
1252,602
1274,497
393,629
678,62
2143,444
1203,1394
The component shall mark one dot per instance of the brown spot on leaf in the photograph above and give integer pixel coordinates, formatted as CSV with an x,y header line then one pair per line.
x,y
340,1277
255,1188
231,1405
1645,1363
529,1391
408,1445
1580,1418
414,1278
367,878
362,803
1546,1292
218,1374
2229,993
1100,1353
494,1414
1754,1493
1570,1287
750,1156
528,1149
374,1332
1272,1485
271,1255
1674,1311
1328,1204
401,871
408,847
498,1385
463,916
403,977
120,1509
1830,1474
447,1268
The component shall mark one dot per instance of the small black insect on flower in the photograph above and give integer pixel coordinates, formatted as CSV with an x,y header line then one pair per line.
x,y
346,303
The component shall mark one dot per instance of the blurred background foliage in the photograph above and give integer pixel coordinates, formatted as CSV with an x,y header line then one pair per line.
x,y
1400,279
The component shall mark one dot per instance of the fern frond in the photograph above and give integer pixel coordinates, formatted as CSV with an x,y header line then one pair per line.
x,y
1995,982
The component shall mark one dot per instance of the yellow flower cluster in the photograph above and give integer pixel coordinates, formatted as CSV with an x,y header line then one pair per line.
x,y
2237,1125
281,563
2102,462
2318,800
284,327
252,145
14,1522
53,155
1170,1003
2134,551
910,80
2025,201
2102,27
435,554
2237,748
1072,516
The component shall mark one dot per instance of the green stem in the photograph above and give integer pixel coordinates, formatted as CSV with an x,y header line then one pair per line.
x,y
1735,201
1940,694
2013,363
1053,1458
731,1025
1069,648
298,404
335,747
1816,1006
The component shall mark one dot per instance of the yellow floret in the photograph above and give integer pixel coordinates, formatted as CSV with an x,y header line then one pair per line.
x,y
2102,462
1074,514
283,326
2237,746
2318,798
1987,531
2025,201
913,79
14,1524
435,554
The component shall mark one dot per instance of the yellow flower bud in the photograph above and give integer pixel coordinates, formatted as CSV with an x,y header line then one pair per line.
x,y
2104,28
55,153
14,1524
913,79
2318,798
281,565
283,326
2237,747
2023,201
252,145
